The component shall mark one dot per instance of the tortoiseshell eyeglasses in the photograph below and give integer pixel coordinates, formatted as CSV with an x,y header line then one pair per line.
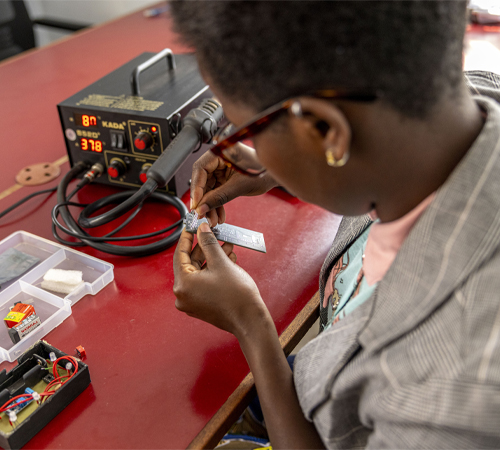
x,y
228,142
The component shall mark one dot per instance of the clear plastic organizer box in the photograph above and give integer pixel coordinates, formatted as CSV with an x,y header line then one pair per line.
x,y
51,307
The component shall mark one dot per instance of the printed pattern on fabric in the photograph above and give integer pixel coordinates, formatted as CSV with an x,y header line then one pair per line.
x,y
350,288
349,230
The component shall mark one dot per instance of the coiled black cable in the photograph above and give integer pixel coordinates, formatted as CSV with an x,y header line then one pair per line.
x,y
101,243
130,201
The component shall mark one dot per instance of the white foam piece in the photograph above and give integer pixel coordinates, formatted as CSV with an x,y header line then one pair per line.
x,y
70,277
63,288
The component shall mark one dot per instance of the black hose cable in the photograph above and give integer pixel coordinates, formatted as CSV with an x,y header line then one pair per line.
x,y
87,239
139,196
126,222
107,237
63,241
25,199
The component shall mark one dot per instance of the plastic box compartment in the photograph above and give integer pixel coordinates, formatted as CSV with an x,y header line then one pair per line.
x,y
18,379
51,307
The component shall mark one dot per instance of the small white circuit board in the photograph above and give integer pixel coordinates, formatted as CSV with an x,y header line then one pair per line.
x,y
229,233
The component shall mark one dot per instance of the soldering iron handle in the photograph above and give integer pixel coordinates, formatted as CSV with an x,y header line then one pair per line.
x,y
174,155
200,126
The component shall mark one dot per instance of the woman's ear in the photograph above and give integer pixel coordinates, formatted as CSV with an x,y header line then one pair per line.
x,y
328,125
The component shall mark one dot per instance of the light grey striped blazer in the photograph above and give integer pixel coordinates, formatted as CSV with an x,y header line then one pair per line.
x,y
418,364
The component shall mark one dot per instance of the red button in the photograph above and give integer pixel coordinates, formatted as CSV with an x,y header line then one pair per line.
x,y
140,144
113,172
143,177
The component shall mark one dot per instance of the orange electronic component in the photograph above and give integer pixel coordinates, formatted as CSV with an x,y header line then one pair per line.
x,y
20,312
80,351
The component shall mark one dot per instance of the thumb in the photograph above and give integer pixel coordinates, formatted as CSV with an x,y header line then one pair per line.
x,y
214,254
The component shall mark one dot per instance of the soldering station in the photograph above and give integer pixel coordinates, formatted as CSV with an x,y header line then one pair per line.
x,y
141,127
127,119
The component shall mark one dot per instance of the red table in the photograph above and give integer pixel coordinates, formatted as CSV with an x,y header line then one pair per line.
x,y
157,375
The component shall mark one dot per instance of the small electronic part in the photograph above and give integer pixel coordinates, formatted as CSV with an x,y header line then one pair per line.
x,y
49,378
80,351
229,233
52,357
36,397
16,333
18,314
191,222
22,402
40,361
12,417
62,281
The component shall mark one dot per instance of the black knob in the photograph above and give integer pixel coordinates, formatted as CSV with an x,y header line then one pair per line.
x,y
143,176
116,168
143,141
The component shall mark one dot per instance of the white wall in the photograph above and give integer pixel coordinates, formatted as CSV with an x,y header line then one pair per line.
x,y
84,11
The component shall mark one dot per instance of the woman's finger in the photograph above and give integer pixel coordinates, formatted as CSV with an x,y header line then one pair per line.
x,y
197,257
182,255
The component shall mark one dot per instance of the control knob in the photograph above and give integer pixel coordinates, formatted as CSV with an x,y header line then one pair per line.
x,y
143,140
143,176
116,168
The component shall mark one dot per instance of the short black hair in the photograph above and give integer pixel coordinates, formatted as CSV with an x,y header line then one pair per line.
x,y
262,52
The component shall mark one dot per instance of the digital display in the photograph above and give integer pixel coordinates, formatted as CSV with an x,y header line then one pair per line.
x,y
84,120
93,145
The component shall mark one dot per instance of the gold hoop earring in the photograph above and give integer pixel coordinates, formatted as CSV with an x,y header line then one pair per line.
x,y
333,162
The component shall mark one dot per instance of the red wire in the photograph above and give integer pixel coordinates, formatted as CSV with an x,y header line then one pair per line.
x,y
4,406
71,359
46,392
54,381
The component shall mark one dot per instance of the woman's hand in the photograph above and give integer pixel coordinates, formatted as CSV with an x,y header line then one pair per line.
x,y
218,292
214,184
221,293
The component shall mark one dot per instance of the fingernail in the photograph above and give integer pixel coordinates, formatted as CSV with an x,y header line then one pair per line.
x,y
190,204
204,228
203,209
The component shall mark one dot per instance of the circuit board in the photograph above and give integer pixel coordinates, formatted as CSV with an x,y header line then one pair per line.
x,y
25,409
43,383
229,233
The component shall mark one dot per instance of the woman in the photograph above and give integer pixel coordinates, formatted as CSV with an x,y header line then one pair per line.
x,y
360,108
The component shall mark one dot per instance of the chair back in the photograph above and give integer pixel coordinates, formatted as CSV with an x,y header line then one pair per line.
x,y
16,28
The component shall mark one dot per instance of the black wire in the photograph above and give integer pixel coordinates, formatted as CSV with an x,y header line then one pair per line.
x,y
81,205
63,241
124,224
106,238
25,199
54,229
100,243
131,200
201,142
